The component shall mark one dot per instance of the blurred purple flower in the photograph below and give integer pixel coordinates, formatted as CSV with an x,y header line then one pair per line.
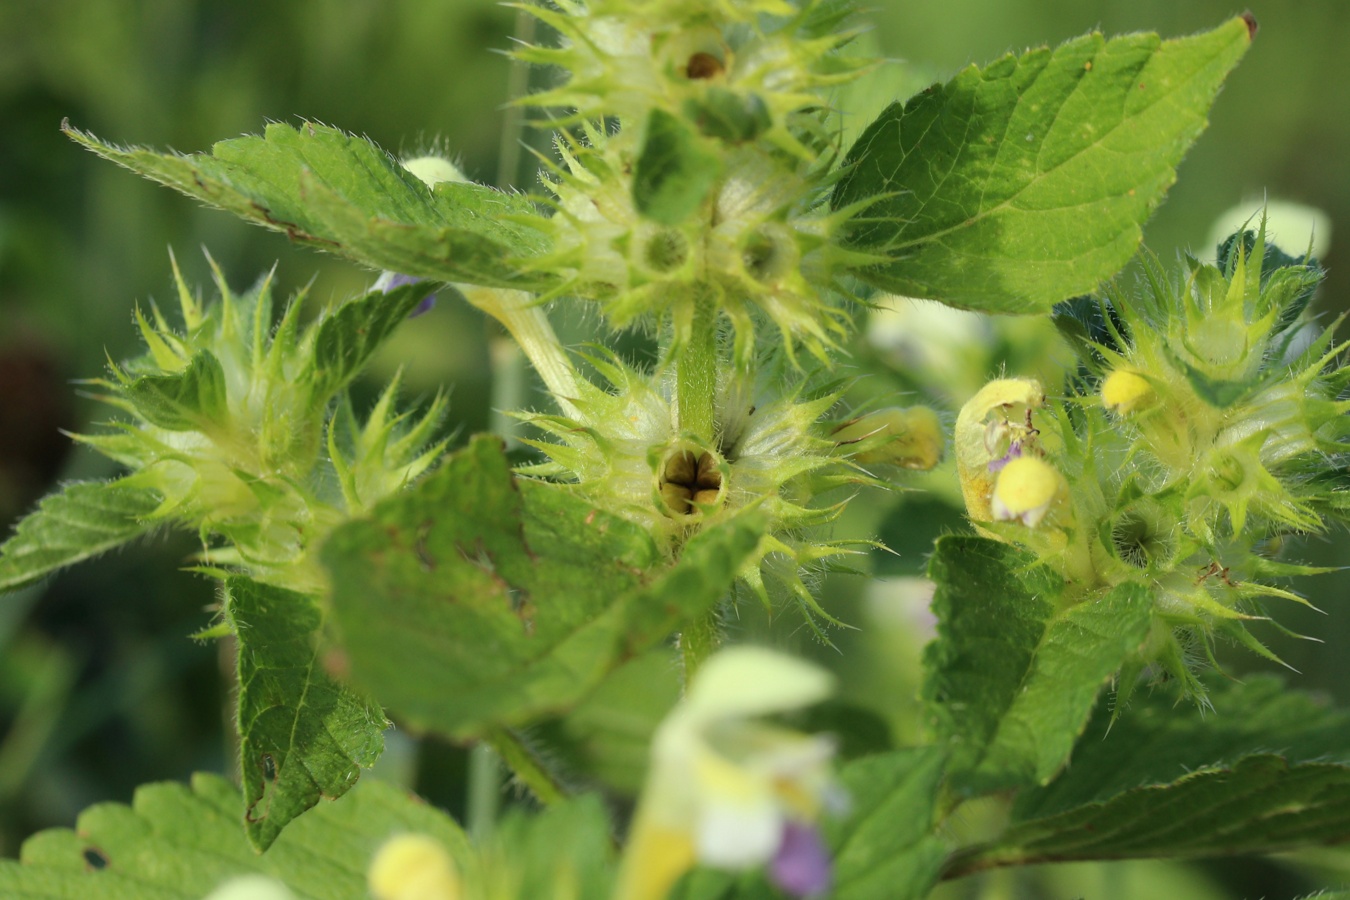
x,y
391,280
802,865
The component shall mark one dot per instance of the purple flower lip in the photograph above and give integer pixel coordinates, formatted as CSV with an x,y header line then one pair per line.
x,y
1014,451
399,280
802,864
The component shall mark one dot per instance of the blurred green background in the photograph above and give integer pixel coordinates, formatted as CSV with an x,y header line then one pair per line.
x,y
100,687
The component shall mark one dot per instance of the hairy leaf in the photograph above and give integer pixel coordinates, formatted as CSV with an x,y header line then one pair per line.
x,y
1016,186
1266,769
82,520
1010,682
326,188
1260,804
473,600
191,400
885,846
179,843
303,736
346,339
1158,739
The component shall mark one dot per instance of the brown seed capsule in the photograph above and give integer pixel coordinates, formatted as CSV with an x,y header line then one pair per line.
x,y
702,66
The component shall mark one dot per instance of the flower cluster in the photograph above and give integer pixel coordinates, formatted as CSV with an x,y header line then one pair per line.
x,y
706,202
1206,425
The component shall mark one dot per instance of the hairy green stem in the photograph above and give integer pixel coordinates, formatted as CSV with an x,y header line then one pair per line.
x,y
528,766
513,122
698,641
696,374
521,315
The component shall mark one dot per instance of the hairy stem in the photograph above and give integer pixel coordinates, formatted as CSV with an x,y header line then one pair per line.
x,y
698,641
521,315
696,375
528,766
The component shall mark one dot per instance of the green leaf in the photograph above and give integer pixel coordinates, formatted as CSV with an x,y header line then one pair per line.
x,y
1016,186
674,172
346,339
1158,739
567,850
1260,804
1266,769
180,843
81,521
303,736
886,848
341,193
473,600
191,400
1010,682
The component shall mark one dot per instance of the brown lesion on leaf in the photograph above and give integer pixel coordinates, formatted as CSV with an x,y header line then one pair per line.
x,y
95,859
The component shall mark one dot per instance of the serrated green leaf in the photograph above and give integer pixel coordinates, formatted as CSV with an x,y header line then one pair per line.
x,y
1265,769
1011,188
1158,739
474,600
1081,649
674,171
191,400
326,188
1260,804
180,843
303,736
885,848
345,340
81,521
1011,683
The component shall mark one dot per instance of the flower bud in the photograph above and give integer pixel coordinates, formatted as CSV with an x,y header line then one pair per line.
x,y
432,170
413,867
1125,391
909,438
1026,489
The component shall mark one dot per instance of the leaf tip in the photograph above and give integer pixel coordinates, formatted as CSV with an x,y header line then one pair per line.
x,y
1252,26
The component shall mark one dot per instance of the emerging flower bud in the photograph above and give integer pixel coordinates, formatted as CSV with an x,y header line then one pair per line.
x,y
1026,488
413,867
909,438
251,887
1125,391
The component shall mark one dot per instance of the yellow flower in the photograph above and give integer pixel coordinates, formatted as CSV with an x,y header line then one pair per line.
x,y
413,867
1125,391
730,792
1026,489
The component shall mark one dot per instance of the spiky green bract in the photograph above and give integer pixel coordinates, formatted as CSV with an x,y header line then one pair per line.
x,y
1205,427
234,424
772,449
711,189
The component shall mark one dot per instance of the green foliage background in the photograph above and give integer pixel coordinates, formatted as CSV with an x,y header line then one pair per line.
x,y
101,690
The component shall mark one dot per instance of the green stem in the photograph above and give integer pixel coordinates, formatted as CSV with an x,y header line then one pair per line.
x,y
521,315
696,374
485,791
698,641
528,766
